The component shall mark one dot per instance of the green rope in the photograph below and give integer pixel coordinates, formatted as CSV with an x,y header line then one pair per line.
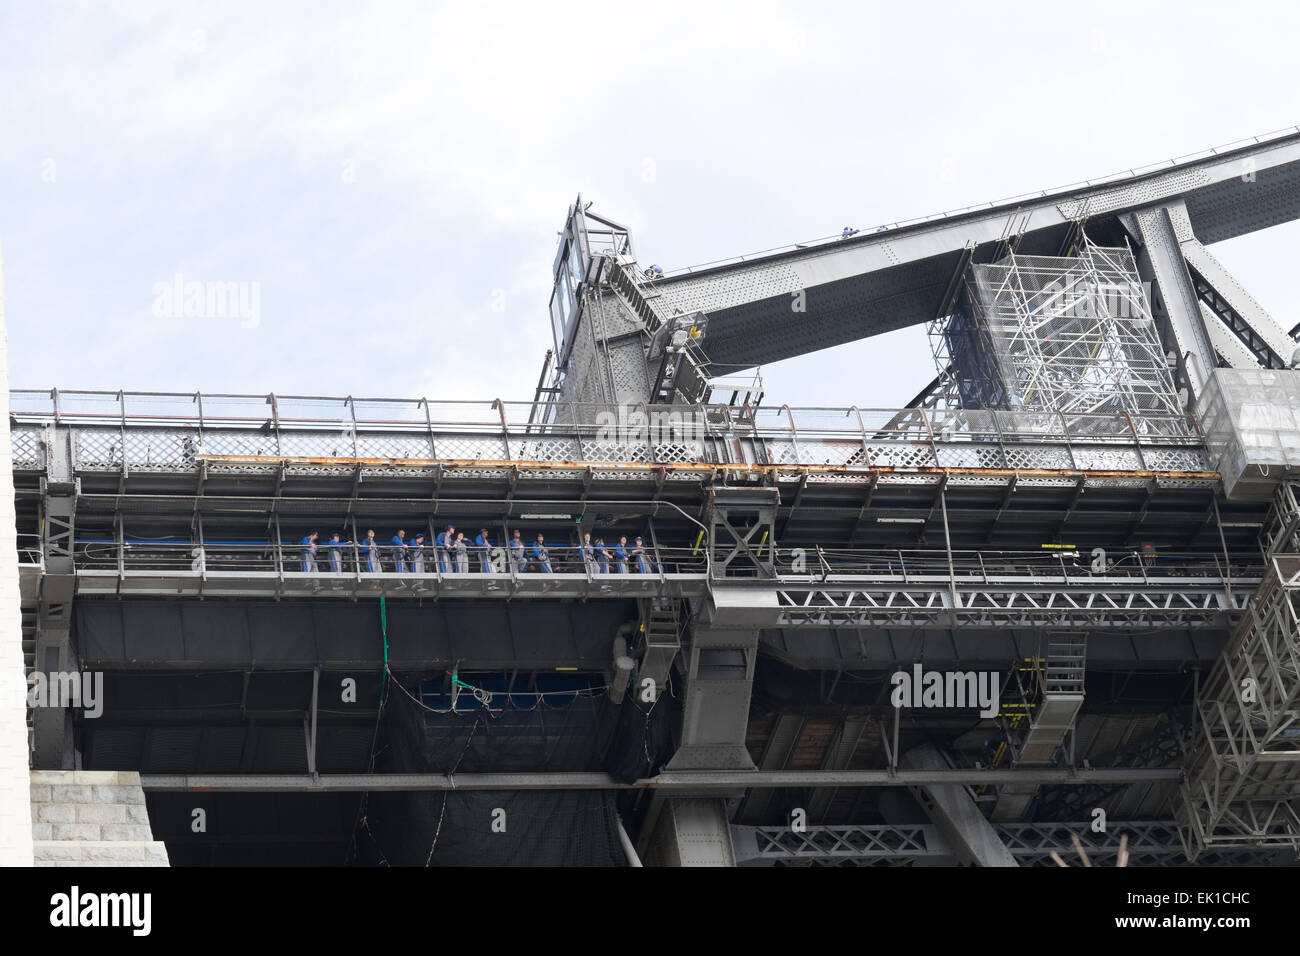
x,y
383,626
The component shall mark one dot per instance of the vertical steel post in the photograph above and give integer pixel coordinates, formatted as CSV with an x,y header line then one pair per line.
x,y
947,540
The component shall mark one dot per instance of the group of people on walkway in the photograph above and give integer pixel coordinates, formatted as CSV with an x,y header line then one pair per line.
x,y
450,551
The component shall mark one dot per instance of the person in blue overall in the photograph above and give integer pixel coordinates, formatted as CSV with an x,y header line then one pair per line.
x,y
309,553
445,544
484,545
399,551
517,559
589,555
417,554
335,547
541,555
370,547
602,556
620,554
642,563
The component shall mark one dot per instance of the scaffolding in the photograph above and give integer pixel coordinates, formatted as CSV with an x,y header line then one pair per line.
x,y
1240,788
1059,335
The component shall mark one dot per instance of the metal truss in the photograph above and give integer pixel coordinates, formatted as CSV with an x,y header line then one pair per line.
x,y
1012,602
1150,843
1243,780
868,600
742,531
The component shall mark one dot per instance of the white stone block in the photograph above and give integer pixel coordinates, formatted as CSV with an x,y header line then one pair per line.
x,y
101,813
76,831
56,813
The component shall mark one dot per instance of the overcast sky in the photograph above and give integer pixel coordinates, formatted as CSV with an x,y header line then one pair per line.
x,y
392,175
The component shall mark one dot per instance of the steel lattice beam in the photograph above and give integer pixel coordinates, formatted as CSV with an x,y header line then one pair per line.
x,y
1150,843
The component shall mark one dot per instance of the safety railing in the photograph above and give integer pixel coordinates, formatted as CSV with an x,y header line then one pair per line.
x,y
124,431
1055,566
30,551
292,558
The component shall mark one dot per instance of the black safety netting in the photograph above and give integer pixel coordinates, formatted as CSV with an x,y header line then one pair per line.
x,y
489,828
642,739
525,734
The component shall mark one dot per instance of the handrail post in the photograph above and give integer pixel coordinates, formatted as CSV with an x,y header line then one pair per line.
x,y
929,430
428,424
275,421
279,555
1137,442
121,405
995,414
505,429
352,411
1069,446
794,434
356,554
947,540
862,433
198,400
1227,561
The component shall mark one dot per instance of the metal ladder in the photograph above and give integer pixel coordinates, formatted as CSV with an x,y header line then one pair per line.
x,y
661,637
1064,669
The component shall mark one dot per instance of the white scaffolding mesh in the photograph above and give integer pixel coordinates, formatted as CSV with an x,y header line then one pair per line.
x,y
1071,336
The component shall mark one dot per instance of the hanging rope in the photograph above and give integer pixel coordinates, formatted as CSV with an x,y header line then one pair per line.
x,y
383,627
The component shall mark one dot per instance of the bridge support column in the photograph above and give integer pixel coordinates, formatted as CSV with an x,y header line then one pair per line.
x,y
719,664
52,723
719,679
971,836
1161,230
691,831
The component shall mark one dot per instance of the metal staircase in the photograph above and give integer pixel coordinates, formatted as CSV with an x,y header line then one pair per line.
x,y
1061,679
637,295
661,637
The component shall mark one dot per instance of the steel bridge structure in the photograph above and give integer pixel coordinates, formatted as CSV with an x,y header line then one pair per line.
x,y
694,653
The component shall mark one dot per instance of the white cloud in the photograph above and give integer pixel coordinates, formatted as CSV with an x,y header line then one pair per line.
x,y
212,140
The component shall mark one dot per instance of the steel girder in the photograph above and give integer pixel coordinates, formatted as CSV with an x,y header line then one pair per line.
x,y
683,782
1150,843
1022,602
